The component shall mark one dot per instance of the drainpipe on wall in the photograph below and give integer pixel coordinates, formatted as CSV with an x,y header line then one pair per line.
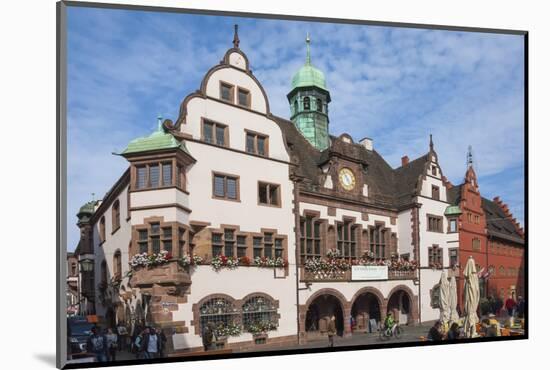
x,y
417,253
297,237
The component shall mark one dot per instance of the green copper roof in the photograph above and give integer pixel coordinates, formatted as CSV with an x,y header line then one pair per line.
x,y
88,208
452,210
308,75
156,141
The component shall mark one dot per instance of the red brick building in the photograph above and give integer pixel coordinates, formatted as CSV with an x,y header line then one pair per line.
x,y
506,247
489,233
471,225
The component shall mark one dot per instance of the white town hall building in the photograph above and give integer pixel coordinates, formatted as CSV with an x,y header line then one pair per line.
x,y
262,225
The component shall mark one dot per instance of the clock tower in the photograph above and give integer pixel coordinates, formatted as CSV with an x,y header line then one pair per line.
x,y
309,100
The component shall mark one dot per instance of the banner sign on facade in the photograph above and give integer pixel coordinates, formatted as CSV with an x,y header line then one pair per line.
x,y
369,272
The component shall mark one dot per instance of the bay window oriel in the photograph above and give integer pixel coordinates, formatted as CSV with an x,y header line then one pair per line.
x,y
158,174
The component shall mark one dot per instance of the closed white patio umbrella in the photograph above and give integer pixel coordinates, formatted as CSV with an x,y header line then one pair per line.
x,y
453,298
444,303
471,299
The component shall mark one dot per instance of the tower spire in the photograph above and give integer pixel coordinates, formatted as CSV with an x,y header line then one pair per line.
x,y
469,157
431,144
236,37
308,57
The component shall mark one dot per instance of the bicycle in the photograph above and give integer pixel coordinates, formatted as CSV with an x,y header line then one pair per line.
x,y
386,334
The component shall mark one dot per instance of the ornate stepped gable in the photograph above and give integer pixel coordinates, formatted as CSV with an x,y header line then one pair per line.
x,y
500,221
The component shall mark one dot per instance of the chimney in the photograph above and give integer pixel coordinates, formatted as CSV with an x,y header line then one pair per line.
x,y
404,160
367,143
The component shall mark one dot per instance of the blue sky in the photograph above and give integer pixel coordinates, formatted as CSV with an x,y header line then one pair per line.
x,y
395,85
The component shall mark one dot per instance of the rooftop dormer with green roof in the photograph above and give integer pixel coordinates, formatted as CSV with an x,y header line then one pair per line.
x,y
157,161
158,140
309,98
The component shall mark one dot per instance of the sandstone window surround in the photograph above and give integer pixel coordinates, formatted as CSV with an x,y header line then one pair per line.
x,y
268,245
453,257
453,225
269,194
379,240
244,97
435,223
347,239
227,92
313,235
158,174
435,192
115,213
230,241
213,132
257,143
117,264
155,235
435,256
225,186
222,309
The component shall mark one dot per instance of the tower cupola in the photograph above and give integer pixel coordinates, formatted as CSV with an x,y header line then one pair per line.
x,y
309,98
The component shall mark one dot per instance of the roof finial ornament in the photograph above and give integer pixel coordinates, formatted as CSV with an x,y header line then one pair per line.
x,y
431,144
93,197
308,57
470,157
159,122
236,37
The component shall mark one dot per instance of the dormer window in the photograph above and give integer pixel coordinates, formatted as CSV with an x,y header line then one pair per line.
x,y
295,106
243,97
226,92
435,192
306,103
319,105
434,171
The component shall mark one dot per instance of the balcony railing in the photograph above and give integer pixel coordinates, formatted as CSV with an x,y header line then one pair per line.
x,y
345,276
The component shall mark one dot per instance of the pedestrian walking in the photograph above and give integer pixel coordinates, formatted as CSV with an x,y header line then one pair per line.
x,y
153,343
122,333
162,342
521,307
510,305
141,343
112,344
331,331
207,336
97,344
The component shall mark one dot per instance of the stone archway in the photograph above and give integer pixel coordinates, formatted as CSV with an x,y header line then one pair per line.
x,y
404,304
368,304
315,314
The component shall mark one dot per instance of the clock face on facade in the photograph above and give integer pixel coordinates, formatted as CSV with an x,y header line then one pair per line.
x,y
347,178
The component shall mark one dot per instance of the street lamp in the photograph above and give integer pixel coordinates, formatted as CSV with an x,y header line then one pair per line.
x,y
87,264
